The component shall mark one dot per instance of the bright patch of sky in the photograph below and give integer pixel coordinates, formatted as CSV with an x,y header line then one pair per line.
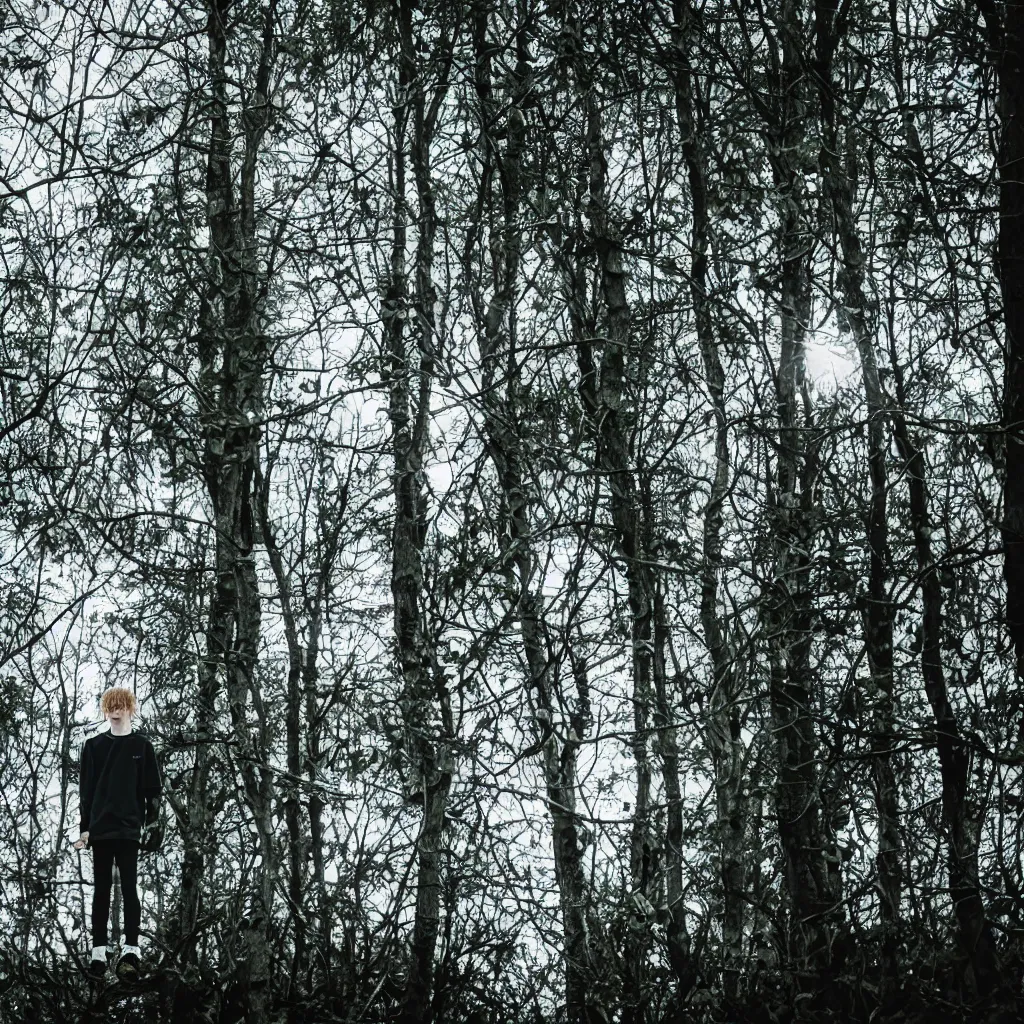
x,y
829,363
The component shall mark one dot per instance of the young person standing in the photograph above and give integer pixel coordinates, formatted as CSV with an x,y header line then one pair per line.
x,y
119,791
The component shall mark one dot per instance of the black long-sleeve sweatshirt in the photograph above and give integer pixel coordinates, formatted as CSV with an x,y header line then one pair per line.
x,y
119,787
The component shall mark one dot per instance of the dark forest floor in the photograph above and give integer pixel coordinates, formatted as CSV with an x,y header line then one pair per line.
x,y
164,996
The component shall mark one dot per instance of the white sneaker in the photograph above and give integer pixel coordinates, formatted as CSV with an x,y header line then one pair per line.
x,y
98,964
128,965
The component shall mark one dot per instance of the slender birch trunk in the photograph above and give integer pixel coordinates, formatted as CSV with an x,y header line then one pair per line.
x,y
959,816
409,328
1005,25
603,389
959,812
838,163
607,397
313,754
788,597
558,740
302,628
609,418
232,352
724,736
297,841
684,961
330,517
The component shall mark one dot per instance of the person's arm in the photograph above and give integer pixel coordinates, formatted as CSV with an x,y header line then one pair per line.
x,y
86,786
151,784
152,834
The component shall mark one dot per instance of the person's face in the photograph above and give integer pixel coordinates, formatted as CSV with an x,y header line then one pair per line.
x,y
119,716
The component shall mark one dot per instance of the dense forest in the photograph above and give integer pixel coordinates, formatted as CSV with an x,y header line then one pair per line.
x,y
551,471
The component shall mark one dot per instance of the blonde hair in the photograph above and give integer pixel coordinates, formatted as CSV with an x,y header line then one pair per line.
x,y
118,698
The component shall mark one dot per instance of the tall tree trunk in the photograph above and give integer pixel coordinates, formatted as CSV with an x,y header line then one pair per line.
x,y
316,804
684,961
610,416
232,352
1006,34
557,740
412,363
788,601
960,820
297,842
330,518
302,627
959,815
838,161
726,746
603,389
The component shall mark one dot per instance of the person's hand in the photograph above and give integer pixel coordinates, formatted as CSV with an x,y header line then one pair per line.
x,y
82,842
152,837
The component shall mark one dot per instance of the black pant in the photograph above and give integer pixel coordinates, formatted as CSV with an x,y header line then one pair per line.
x,y
126,853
